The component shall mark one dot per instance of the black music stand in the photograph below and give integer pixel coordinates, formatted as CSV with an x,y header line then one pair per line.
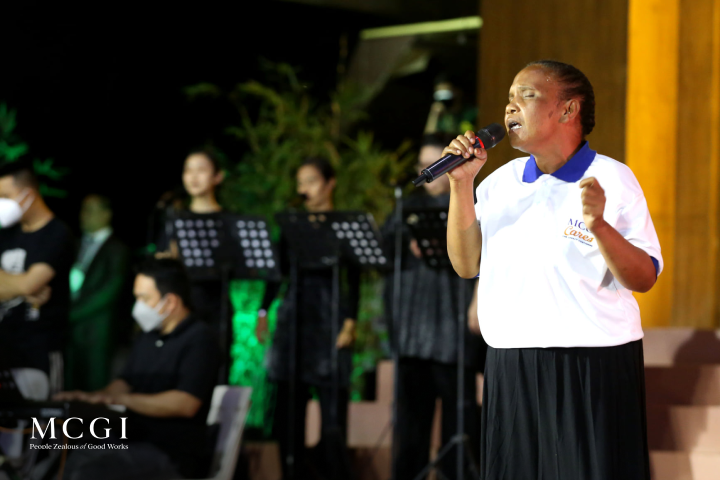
x,y
319,241
429,227
359,239
258,257
312,247
224,246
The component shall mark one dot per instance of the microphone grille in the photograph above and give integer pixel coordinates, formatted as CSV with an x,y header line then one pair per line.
x,y
491,135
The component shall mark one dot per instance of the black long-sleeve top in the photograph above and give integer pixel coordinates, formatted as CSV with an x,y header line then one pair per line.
x,y
428,323
311,298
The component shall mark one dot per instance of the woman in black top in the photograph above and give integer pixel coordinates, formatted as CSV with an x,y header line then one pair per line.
x,y
310,301
201,177
427,337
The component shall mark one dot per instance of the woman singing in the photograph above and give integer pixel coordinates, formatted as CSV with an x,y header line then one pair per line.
x,y
201,177
313,310
565,238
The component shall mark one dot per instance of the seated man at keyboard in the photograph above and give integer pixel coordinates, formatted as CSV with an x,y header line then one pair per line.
x,y
166,386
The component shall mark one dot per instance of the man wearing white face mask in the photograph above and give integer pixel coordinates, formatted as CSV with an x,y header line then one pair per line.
x,y
36,253
166,384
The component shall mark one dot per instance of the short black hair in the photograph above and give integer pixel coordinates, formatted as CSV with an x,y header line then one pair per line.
x,y
105,202
170,277
575,85
22,172
322,165
211,154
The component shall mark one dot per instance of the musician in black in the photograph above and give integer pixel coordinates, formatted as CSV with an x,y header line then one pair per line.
x,y
427,338
316,183
166,385
201,177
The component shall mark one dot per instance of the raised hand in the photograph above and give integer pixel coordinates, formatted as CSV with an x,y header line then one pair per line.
x,y
463,145
261,328
593,202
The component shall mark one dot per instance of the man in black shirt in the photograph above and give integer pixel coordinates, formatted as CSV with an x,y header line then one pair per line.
x,y
36,253
166,385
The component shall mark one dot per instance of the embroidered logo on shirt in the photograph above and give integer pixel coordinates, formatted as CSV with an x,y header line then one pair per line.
x,y
576,230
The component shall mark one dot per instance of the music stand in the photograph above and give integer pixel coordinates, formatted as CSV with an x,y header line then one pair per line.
x,y
258,257
359,238
201,243
319,241
312,247
429,227
223,246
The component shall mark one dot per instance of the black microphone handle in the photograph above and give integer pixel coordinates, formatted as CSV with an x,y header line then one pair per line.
x,y
442,166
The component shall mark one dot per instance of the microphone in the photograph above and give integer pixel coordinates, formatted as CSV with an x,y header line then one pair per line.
x,y
486,138
297,200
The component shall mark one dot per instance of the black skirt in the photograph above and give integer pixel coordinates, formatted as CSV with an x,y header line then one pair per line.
x,y
564,414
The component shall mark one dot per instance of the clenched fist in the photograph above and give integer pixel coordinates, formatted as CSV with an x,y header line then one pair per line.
x,y
593,202
464,145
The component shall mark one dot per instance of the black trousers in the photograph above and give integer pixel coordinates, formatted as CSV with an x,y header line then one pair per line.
x,y
421,382
330,459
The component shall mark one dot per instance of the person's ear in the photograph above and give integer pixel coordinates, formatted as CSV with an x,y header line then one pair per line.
x,y
171,303
571,110
219,177
332,183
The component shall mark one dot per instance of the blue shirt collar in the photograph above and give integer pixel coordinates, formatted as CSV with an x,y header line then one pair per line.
x,y
572,171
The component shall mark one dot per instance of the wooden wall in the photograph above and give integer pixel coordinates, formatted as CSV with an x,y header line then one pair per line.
x,y
673,132
655,66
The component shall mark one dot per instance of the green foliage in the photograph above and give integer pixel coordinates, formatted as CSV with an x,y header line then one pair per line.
x,y
12,148
281,125
286,126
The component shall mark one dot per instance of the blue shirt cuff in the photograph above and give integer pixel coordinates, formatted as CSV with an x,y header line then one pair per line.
x,y
657,266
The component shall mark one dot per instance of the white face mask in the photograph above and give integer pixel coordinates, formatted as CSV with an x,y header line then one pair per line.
x,y
11,210
147,317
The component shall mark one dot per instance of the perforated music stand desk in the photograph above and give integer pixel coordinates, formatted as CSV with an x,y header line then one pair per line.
x,y
429,227
208,243
258,257
220,247
202,243
359,239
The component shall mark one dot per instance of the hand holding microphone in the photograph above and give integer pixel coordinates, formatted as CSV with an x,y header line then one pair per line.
x,y
474,157
465,155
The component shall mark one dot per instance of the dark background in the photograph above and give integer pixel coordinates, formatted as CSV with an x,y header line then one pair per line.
x,y
101,90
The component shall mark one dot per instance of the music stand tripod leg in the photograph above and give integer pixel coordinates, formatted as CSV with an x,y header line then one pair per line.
x,y
292,373
460,440
394,326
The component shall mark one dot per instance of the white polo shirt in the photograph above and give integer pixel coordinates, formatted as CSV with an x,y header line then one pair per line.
x,y
543,281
